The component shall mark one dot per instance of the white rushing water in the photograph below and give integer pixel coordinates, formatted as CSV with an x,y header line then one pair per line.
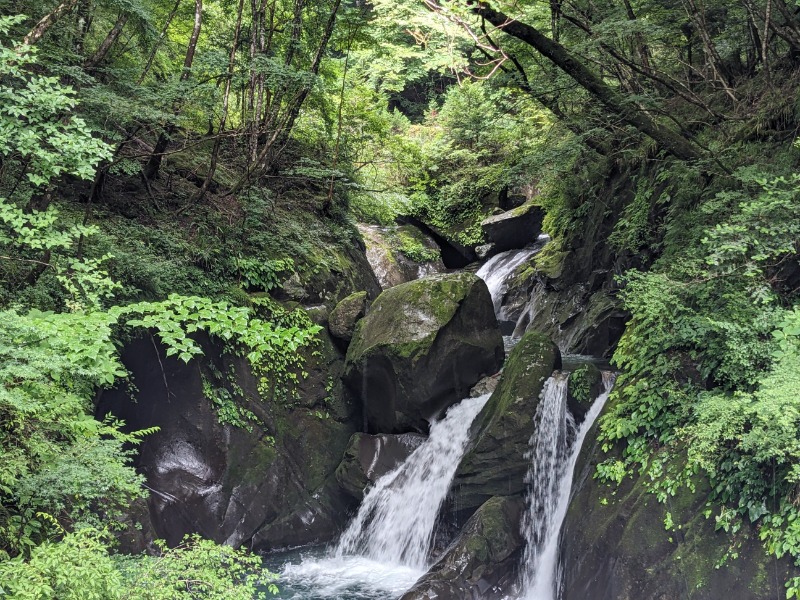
x,y
347,577
497,271
385,548
396,519
554,450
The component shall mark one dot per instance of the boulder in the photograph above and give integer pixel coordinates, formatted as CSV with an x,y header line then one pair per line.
x,y
481,563
515,228
420,349
496,463
621,543
370,457
268,484
584,385
398,254
343,318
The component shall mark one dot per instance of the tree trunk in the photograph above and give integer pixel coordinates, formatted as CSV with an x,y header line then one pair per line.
x,y
35,34
157,43
154,163
102,50
282,128
225,103
668,139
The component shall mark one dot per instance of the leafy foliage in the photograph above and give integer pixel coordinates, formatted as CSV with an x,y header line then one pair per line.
x,y
710,363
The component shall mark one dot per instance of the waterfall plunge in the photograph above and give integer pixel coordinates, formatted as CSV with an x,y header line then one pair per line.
x,y
396,519
554,450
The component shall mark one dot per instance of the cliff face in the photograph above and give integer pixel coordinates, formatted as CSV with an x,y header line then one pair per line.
x,y
621,543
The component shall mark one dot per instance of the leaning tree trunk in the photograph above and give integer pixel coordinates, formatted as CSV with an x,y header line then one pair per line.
x,y
35,34
669,140
102,50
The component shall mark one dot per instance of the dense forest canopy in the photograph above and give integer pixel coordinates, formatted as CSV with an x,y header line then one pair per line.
x,y
158,159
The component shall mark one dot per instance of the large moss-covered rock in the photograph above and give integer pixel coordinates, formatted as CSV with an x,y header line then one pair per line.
x,y
496,464
420,349
345,315
621,543
400,253
270,485
370,457
514,228
482,561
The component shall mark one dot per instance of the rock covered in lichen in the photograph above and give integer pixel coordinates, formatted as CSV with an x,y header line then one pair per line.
x,y
481,562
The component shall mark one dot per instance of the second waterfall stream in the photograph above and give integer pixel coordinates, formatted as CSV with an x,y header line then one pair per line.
x,y
554,450
397,518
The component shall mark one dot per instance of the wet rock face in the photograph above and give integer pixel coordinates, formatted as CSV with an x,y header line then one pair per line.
x,y
514,228
615,545
272,485
496,464
370,457
481,563
420,349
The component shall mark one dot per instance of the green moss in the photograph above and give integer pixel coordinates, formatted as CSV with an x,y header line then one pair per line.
x,y
408,316
550,261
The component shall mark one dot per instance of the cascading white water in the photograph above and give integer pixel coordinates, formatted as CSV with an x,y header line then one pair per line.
x,y
497,271
396,519
554,450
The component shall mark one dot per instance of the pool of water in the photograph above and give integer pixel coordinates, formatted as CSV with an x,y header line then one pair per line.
x,y
315,575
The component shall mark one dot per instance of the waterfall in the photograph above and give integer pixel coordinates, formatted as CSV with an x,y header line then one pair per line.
x,y
497,270
396,519
554,450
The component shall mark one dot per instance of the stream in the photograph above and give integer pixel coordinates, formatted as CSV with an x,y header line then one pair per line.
x,y
387,546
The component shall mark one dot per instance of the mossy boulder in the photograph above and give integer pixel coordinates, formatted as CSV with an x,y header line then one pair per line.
x,y
621,543
514,228
584,385
482,561
496,464
345,315
420,349
398,254
370,457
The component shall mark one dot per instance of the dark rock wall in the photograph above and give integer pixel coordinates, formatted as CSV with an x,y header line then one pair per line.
x,y
616,546
228,483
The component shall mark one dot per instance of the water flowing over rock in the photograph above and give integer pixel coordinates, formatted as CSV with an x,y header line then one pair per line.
x,y
396,520
420,348
370,457
554,449
498,272
496,464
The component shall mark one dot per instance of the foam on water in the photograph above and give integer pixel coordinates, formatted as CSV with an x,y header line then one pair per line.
x,y
344,578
